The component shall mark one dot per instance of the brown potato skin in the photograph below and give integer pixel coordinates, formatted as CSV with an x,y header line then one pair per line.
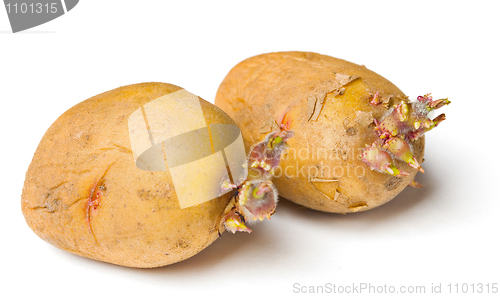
x,y
139,222
264,86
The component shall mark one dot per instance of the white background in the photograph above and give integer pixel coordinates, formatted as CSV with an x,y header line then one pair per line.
x,y
446,232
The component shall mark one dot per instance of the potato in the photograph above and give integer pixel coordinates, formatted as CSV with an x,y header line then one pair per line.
x,y
331,105
83,192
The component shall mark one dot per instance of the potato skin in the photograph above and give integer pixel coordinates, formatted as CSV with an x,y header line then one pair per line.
x,y
268,85
139,222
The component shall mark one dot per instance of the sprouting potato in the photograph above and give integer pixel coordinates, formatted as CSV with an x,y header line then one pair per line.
x,y
138,176
358,140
